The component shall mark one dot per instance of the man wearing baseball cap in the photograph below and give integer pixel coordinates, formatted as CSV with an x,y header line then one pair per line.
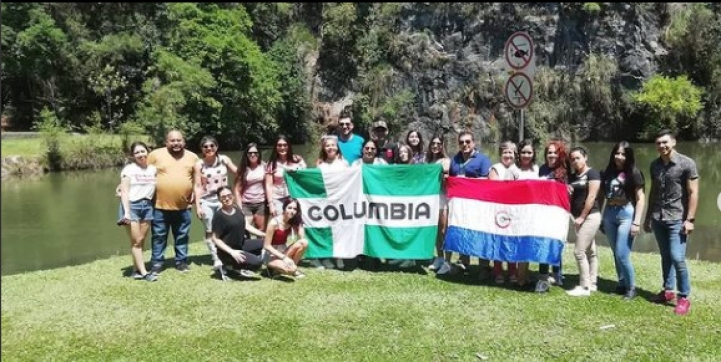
x,y
387,149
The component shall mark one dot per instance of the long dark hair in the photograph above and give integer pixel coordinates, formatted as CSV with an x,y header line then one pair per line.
x,y
628,166
430,156
298,218
291,157
132,149
415,150
244,161
523,145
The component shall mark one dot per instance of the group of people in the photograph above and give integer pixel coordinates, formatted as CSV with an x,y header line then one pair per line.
x,y
158,189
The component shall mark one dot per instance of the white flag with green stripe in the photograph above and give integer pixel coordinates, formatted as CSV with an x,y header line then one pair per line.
x,y
384,211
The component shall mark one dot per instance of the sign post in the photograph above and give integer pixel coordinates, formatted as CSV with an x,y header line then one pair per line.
x,y
520,58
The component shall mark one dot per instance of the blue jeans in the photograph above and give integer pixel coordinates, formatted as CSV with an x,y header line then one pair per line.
x,y
672,246
179,222
617,222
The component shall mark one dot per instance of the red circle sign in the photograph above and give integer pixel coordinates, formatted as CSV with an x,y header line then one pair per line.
x,y
518,90
518,50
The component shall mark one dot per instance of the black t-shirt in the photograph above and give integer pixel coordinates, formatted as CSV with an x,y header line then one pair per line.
x,y
230,228
617,186
580,191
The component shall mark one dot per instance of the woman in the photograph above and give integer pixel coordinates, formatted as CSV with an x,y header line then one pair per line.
x,y
282,159
211,173
622,185
405,155
505,170
415,141
330,159
137,189
228,235
284,258
437,154
249,187
527,170
585,183
556,169
369,150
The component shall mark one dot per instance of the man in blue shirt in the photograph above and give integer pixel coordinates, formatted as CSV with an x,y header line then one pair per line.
x,y
350,144
469,162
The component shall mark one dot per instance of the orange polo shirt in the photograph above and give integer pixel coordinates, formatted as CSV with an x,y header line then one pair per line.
x,y
174,188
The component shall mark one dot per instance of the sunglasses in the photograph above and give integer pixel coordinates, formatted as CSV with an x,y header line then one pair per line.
x,y
436,143
464,142
210,145
345,124
252,153
369,148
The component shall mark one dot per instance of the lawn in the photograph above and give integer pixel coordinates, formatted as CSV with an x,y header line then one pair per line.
x,y
93,312
34,147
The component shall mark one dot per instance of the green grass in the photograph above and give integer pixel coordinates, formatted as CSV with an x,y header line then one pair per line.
x,y
34,147
92,312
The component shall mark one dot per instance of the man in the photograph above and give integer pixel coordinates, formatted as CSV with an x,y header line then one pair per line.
x,y
671,215
469,162
350,144
387,149
173,197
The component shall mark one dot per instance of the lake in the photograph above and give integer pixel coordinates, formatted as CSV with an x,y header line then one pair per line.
x,y
68,218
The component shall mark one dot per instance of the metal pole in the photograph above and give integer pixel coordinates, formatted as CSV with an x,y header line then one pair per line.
x,y
520,130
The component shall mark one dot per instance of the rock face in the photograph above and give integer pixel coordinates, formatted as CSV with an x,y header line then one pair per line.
x,y
20,166
453,53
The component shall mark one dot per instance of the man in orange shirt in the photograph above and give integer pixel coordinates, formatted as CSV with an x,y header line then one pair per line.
x,y
173,199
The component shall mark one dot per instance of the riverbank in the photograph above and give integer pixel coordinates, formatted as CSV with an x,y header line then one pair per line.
x,y
92,312
25,153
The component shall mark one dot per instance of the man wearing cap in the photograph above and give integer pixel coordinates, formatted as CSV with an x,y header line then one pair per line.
x,y
387,149
350,144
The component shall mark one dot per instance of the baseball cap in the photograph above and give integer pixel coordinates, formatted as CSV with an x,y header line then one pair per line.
x,y
380,124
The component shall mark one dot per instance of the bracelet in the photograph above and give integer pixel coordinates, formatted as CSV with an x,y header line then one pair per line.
x,y
691,220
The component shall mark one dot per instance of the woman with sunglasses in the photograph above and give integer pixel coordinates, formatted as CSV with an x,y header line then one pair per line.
x,y
228,234
211,173
249,186
282,159
137,189
369,151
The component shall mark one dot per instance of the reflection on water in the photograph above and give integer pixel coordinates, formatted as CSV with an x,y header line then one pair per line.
x,y
69,218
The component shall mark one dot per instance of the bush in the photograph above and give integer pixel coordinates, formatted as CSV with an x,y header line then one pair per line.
x,y
51,129
670,102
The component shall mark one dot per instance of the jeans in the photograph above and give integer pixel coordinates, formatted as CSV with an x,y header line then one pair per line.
x,y
179,223
672,246
617,222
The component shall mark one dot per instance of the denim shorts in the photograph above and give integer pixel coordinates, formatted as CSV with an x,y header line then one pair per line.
x,y
139,210
210,207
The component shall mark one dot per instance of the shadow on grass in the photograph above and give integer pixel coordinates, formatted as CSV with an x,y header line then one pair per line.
x,y
375,265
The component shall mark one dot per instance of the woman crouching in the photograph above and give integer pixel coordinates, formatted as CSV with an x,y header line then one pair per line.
x,y
282,229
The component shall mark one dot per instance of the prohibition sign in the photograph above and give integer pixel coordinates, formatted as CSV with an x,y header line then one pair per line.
x,y
518,90
519,50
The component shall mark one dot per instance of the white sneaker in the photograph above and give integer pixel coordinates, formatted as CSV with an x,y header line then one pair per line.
x,y
444,269
542,286
407,264
594,288
328,264
340,263
579,291
437,263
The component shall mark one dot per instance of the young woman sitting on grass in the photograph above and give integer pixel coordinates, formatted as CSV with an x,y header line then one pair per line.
x,y
282,257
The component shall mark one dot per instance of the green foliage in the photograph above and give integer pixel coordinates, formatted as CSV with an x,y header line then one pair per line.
x,y
592,8
671,102
51,129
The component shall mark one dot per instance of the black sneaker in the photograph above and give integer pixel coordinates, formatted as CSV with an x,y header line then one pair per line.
x,y
136,275
150,277
156,269
182,267
620,290
630,294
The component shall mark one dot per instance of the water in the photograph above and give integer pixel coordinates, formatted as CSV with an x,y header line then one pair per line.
x,y
69,218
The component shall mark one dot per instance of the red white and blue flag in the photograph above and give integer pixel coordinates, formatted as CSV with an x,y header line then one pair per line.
x,y
514,221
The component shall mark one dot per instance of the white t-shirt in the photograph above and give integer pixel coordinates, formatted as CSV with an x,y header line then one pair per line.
x,y
376,161
337,165
506,173
142,181
531,174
